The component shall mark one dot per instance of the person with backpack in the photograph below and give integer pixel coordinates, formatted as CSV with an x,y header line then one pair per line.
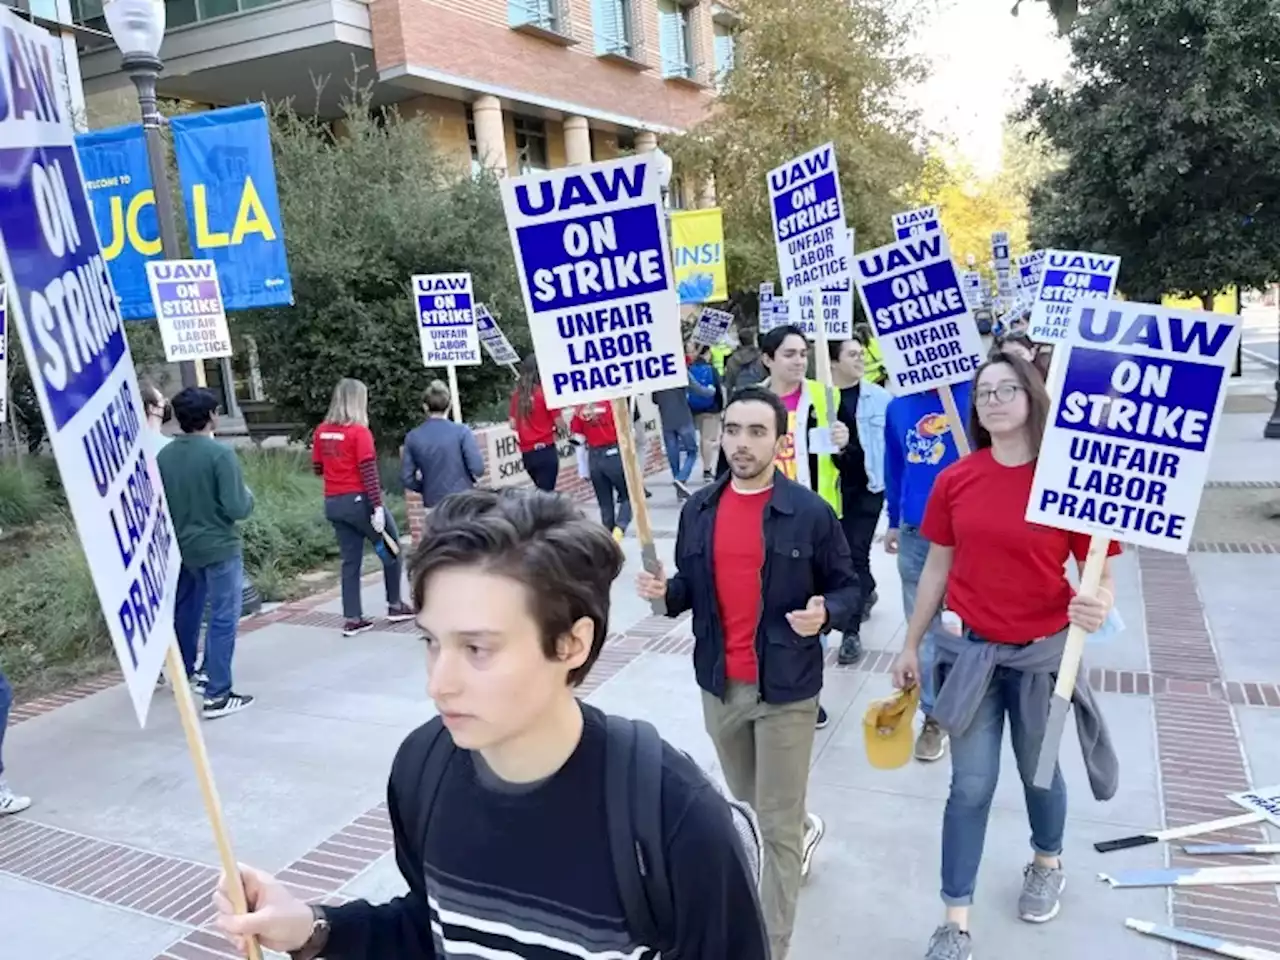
x,y
706,407
764,566
526,822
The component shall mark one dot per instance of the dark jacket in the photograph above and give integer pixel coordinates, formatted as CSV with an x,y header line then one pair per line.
x,y
805,555
440,457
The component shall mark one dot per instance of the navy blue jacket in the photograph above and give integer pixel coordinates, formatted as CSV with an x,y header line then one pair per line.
x,y
805,555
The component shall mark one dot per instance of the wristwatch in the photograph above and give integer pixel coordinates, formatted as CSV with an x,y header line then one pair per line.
x,y
319,938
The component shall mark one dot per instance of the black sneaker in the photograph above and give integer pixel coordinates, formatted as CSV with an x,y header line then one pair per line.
x,y
225,706
867,604
352,627
823,719
399,612
850,650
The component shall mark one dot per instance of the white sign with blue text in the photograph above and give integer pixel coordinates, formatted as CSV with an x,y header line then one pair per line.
x,y
713,327
1137,398
1068,276
912,294
188,305
495,342
591,251
446,319
913,223
65,308
808,221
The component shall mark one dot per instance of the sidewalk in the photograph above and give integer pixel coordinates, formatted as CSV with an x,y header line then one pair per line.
x,y
115,860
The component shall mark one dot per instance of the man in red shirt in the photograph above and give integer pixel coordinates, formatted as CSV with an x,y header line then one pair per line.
x,y
763,564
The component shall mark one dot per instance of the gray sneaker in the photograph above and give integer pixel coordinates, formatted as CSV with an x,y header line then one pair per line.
x,y
1041,893
949,943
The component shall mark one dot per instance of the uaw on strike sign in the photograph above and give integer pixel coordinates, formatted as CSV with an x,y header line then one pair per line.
x,y
68,318
591,250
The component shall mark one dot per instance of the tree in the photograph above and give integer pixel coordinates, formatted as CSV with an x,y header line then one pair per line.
x,y
807,71
1170,133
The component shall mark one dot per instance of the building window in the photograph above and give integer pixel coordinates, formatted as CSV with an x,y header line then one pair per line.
x,y
614,28
531,144
676,34
534,13
724,51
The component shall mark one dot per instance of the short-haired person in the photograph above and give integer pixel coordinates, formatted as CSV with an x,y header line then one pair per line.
x,y
512,857
762,563
207,497
440,457
1006,579
535,426
343,453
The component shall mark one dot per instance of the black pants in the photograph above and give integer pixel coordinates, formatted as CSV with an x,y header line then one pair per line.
x,y
609,478
543,466
861,514
350,515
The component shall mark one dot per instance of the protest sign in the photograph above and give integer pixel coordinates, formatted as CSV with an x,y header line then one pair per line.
x,y
1030,266
493,340
4,356
713,327
697,241
913,223
188,308
808,221
1068,276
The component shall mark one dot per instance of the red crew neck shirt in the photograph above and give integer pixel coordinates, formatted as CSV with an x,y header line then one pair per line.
x,y
1008,583
738,564
537,428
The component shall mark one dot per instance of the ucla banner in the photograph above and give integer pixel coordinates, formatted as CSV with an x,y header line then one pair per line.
x,y
124,209
233,210
697,242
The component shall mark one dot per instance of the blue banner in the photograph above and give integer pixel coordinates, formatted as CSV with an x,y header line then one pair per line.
x,y
233,210
124,208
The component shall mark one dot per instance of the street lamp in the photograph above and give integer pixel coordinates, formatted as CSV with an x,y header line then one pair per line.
x,y
137,27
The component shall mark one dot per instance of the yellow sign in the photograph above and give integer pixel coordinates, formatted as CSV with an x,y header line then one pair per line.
x,y
697,244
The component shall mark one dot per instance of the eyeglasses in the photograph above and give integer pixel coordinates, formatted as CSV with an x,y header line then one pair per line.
x,y
1002,394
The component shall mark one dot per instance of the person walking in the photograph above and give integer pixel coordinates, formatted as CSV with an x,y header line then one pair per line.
x,y
343,453
440,457
10,802
1006,579
706,408
763,565
594,423
535,426
862,407
207,497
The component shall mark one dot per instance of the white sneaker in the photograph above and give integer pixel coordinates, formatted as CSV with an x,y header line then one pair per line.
x,y
814,829
10,802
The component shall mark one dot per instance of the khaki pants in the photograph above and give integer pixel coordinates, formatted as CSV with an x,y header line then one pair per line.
x,y
764,751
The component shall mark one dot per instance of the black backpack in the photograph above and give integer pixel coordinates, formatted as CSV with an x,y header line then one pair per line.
x,y
633,810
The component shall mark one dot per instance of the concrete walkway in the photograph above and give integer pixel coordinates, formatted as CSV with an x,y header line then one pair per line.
x,y
115,860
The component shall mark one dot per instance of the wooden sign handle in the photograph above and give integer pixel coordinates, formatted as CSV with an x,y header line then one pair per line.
x,y
632,466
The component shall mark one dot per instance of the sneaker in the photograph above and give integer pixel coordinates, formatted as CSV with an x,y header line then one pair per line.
x,y
225,706
823,719
814,829
618,534
931,745
949,942
1041,893
682,490
400,612
10,802
867,604
850,650
352,627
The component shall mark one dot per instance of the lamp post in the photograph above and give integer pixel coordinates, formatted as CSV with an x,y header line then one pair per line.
x,y
137,27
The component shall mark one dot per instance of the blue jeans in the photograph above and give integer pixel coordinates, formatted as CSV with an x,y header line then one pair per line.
x,y
913,550
682,441
6,701
975,770
220,587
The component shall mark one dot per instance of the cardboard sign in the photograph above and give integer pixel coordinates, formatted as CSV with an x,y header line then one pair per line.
x,y
591,251
506,462
912,295
1137,397
808,221
713,327
65,306
1068,276
4,355
492,338
913,223
1264,801
188,304
446,319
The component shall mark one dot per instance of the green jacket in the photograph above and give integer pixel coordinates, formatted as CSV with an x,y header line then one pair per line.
x,y
207,496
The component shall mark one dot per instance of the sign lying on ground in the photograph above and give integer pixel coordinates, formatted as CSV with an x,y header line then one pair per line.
x,y
912,295
495,342
913,223
591,251
188,307
446,319
1137,397
1264,801
64,304
1068,276
808,221
713,327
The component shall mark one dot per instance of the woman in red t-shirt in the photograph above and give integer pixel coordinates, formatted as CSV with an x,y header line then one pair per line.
x,y
342,452
1006,580
595,424
535,426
